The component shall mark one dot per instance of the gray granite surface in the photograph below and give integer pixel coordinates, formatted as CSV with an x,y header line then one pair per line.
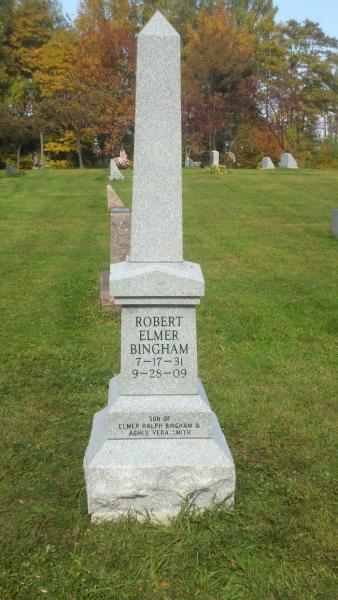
x,y
156,230
157,416
158,350
155,476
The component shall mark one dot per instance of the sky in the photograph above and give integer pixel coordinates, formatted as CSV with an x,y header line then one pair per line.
x,y
324,12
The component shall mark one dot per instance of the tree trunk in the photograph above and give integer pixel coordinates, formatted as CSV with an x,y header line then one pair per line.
x,y
18,156
79,150
42,156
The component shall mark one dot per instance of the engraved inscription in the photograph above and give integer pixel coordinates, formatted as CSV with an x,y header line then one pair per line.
x,y
159,350
160,426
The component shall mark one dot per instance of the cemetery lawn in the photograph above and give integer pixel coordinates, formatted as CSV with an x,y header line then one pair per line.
x,y
267,356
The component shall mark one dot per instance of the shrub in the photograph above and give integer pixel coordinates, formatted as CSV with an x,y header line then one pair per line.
x,y
218,170
58,164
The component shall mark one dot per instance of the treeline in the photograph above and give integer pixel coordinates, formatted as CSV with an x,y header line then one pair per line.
x,y
251,87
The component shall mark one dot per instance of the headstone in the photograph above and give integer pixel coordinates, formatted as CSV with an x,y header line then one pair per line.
x,y
113,199
36,161
287,161
335,222
115,173
191,164
267,163
214,158
120,234
157,443
119,250
10,170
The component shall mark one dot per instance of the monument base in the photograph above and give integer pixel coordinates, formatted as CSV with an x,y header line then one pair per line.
x,y
153,478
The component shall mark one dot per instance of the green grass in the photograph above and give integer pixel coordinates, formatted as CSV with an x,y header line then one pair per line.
x,y
267,356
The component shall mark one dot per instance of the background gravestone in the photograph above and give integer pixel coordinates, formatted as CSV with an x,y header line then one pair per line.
x,y
157,442
287,161
214,158
115,173
10,171
191,164
119,250
267,163
113,199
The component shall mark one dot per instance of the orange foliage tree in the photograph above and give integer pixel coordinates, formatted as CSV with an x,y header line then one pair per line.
x,y
217,77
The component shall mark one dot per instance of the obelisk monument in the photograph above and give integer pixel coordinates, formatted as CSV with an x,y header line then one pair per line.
x,y
158,441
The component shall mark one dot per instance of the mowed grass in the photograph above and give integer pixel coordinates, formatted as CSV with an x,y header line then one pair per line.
x,y
267,356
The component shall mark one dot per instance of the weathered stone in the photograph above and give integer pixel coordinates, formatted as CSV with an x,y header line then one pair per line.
x,y
113,200
154,477
267,163
214,158
119,250
158,441
335,222
120,234
115,173
287,161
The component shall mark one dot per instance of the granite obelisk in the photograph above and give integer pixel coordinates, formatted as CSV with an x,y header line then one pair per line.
x,y
158,441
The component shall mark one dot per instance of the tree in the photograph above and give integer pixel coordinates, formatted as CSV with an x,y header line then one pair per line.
x,y
34,22
6,57
106,66
301,85
217,73
17,119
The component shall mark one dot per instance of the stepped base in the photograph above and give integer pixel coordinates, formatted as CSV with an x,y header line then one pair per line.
x,y
153,478
161,416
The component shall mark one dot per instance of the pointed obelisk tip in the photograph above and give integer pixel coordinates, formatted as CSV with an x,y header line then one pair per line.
x,y
158,26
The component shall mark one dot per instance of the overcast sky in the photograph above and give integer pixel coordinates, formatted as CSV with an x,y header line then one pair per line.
x,y
324,12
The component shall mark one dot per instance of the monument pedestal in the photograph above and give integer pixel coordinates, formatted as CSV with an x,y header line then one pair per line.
x,y
157,444
154,477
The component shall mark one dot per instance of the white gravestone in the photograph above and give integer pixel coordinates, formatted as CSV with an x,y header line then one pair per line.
x,y
191,164
287,161
158,441
214,158
115,173
267,163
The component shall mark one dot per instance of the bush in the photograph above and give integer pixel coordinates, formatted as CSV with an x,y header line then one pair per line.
x,y
58,164
252,143
219,170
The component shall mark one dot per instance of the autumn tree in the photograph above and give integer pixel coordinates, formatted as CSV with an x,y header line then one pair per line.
x,y
34,22
106,66
6,56
63,94
217,73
